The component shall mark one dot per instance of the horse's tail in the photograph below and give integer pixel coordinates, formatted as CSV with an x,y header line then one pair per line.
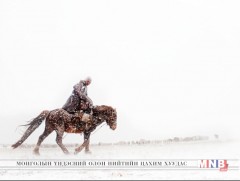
x,y
34,124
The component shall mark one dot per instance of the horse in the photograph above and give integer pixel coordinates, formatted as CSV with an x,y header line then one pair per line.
x,y
61,121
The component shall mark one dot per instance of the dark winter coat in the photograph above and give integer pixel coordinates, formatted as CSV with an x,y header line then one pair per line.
x,y
78,96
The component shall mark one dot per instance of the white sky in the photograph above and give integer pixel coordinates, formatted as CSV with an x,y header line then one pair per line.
x,y
170,68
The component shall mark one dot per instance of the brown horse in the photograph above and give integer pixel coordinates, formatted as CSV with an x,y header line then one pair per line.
x,y
61,121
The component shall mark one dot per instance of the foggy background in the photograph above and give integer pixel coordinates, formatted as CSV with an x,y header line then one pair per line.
x,y
170,68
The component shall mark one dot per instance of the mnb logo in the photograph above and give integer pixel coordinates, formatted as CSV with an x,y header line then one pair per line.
x,y
221,164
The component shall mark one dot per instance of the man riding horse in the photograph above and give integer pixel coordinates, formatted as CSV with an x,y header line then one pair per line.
x,y
79,99
79,104
77,116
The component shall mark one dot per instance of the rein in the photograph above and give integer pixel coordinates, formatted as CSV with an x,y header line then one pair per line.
x,y
99,128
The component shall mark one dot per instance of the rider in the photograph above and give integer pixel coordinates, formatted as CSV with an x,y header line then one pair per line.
x,y
79,100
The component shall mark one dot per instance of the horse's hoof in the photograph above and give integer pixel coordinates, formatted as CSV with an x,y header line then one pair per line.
x,y
66,153
78,150
88,152
36,153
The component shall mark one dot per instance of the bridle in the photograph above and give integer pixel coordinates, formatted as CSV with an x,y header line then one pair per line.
x,y
112,118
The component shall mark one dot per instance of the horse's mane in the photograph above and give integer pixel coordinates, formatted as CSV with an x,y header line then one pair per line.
x,y
102,108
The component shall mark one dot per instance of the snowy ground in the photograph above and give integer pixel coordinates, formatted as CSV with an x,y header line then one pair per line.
x,y
190,150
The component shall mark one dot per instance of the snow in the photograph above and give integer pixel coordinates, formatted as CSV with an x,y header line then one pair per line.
x,y
185,150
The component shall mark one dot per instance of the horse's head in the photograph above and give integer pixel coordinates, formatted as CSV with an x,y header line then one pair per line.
x,y
112,121
107,114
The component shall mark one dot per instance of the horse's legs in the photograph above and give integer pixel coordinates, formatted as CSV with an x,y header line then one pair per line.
x,y
78,149
85,143
40,140
87,147
59,141
87,137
